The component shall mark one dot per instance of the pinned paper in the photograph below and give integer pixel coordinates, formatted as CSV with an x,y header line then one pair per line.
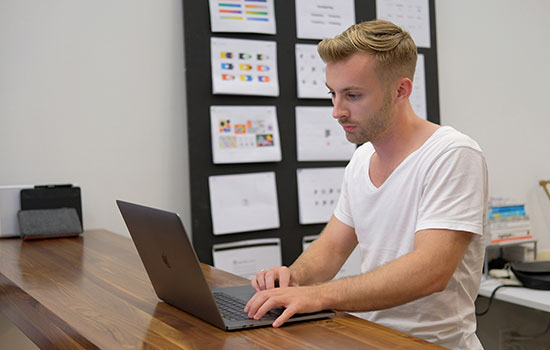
x,y
411,15
319,19
243,202
310,73
319,137
244,67
318,193
244,134
245,258
352,266
418,95
244,16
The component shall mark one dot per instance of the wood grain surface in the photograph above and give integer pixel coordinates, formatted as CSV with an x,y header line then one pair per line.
x,y
92,292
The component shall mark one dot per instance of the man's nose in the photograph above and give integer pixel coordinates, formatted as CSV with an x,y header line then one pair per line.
x,y
339,110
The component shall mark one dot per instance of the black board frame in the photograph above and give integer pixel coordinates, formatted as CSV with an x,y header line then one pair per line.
x,y
197,34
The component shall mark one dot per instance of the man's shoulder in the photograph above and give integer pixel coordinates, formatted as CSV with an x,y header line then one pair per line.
x,y
447,138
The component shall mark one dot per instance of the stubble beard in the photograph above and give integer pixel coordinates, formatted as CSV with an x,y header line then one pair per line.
x,y
375,125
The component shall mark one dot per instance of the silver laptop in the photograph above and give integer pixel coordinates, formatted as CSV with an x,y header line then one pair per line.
x,y
177,277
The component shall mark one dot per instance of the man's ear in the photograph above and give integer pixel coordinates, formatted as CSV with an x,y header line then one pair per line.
x,y
404,89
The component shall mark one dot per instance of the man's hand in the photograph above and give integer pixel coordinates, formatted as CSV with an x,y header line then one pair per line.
x,y
269,279
293,299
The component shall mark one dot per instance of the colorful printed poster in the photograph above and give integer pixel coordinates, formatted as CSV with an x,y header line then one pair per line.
x,y
319,19
244,67
310,72
244,134
242,16
243,202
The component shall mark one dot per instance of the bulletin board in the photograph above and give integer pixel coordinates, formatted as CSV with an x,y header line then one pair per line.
x,y
200,97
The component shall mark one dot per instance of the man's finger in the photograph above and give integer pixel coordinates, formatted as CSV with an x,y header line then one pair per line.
x,y
255,285
260,279
254,304
284,279
283,318
270,279
267,304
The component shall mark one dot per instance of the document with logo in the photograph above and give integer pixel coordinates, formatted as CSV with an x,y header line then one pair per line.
x,y
244,134
319,137
244,67
243,202
244,16
245,258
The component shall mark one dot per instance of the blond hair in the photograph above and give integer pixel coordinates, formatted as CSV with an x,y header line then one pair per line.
x,y
393,48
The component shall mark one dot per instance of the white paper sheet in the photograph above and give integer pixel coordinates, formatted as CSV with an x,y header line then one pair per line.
x,y
418,96
244,134
319,19
319,137
318,193
243,16
245,258
243,202
244,67
411,15
352,266
310,72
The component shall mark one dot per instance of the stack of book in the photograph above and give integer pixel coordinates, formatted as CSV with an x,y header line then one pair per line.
x,y
508,223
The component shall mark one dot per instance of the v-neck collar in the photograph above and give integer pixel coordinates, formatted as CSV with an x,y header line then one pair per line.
x,y
404,161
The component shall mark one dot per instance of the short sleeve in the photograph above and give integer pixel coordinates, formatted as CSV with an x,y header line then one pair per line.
x,y
343,210
455,192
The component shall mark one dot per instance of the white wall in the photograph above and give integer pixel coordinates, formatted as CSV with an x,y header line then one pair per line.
x,y
494,69
92,92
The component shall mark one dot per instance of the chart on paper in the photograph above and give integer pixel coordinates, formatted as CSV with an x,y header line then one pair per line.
x,y
242,16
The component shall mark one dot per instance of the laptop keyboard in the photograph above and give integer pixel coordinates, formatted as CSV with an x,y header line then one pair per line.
x,y
232,308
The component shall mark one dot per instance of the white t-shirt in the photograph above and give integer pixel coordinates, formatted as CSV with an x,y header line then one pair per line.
x,y
442,185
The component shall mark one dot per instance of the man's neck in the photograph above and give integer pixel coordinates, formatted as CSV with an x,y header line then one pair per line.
x,y
406,135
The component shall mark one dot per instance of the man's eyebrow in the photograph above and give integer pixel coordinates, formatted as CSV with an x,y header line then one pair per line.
x,y
346,88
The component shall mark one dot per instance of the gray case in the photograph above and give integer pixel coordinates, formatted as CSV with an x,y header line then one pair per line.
x,y
49,223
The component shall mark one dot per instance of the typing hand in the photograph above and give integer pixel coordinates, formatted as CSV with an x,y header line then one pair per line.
x,y
293,299
275,277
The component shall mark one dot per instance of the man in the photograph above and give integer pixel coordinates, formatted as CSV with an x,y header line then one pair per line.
x,y
414,197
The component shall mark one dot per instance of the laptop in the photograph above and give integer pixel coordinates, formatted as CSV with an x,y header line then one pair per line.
x,y
178,279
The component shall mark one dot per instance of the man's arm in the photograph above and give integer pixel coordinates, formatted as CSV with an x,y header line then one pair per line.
x,y
422,272
319,263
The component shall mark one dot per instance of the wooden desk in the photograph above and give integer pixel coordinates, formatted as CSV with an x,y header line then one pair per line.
x,y
92,292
